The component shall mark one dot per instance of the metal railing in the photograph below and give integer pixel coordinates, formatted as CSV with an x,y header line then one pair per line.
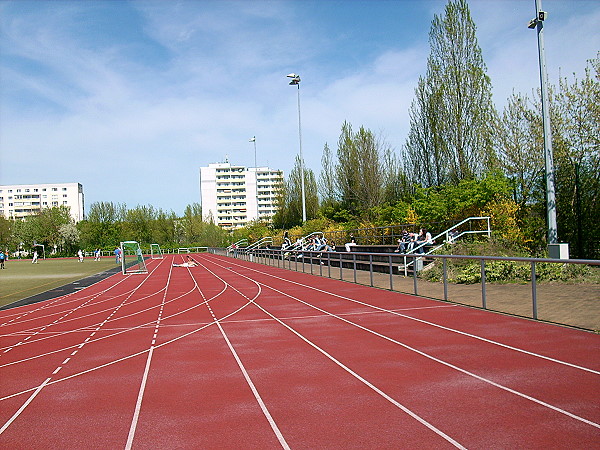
x,y
449,237
579,309
267,240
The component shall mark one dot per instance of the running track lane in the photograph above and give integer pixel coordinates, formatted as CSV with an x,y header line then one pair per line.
x,y
234,354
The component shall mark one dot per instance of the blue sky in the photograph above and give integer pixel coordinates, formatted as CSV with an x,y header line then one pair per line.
x,y
130,98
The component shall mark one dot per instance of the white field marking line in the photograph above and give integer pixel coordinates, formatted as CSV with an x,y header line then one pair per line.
x,y
316,316
87,327
62,304
39,306
27,402
96,313
354,374
92,297
447,364
257,396
48,325
68,359
123,330
83,297
83,304
239,362
134,354
138,404
489,341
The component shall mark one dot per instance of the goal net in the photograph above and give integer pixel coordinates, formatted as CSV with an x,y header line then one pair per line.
x,y
132,259
155,251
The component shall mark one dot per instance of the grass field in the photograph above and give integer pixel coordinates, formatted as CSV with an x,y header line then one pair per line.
x,y
21,279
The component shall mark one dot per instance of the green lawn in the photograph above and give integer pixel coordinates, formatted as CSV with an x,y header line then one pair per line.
x,y
21,279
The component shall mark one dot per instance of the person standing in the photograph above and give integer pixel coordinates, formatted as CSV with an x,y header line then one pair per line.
x,y
352,243
35,257
80,255
2,258
117,255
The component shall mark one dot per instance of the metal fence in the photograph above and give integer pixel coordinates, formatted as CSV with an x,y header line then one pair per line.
x,y
568,303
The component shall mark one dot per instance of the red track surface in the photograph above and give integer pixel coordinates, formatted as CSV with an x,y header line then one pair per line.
x,y
232,354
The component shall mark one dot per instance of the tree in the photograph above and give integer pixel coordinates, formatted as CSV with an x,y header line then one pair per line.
x,y
364,171
452,117
5,233
576,122
289,201
191,223
521,147
327,184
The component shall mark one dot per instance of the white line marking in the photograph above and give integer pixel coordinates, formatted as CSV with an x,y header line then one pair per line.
x,y
433,358
265,411
20,410
537,355
138,405
337,362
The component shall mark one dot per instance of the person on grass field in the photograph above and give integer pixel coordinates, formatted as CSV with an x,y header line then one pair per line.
x,y
191,262
35,257
2,258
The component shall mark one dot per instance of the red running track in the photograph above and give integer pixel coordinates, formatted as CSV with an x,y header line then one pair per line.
x,y
233,354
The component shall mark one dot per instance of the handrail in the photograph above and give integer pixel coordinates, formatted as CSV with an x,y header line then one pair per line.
x,y
303,241
238,244
449,238
257,244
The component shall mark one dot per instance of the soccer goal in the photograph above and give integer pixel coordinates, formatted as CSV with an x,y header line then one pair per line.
x,y
192,249
132,259
155,251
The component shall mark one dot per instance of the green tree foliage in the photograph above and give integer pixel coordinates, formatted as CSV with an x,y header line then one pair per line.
x,y
192,223
577,160
521,147
5,233
289,202
327,180
138,224
452,118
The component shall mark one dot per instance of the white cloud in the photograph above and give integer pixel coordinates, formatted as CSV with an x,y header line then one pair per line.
x,y
105,114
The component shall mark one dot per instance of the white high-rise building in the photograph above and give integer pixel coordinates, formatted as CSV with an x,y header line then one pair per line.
x,y
22,200
235,195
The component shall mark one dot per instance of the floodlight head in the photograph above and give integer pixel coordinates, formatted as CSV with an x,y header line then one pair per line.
x,y
532,23
292,75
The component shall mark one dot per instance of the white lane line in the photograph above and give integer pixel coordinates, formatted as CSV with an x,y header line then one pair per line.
x,y
257,396
338,363
138,404
489,341
27,402
433,358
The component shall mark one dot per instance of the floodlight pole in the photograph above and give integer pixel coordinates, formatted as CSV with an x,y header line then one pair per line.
x,y
253,140
296,81
538,24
